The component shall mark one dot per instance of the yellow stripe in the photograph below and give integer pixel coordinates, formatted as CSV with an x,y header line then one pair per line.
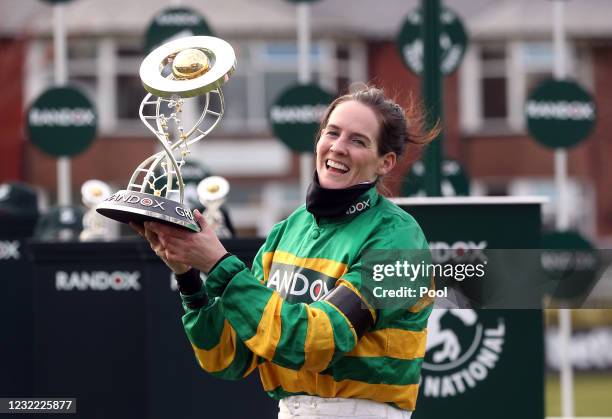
x,y
394,343
265,340
424,301
345,319
273,376
319,345
221,356
356,291
266,262
328,267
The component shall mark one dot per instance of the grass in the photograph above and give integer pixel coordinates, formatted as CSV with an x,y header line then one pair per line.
x,y
592,394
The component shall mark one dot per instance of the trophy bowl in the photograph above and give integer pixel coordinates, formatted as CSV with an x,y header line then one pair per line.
x,y
191,67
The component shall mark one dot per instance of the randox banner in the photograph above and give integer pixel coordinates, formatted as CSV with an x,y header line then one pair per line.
x,y
296,115
453,41
560,114
62,122
109,317
16,296
572,263
483,363
175,22
480,363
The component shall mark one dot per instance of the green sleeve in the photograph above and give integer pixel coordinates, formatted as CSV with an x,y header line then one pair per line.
x,y
217,279
214,342
293,335
217,348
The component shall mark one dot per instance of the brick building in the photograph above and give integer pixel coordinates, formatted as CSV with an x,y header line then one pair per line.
x,y
510,52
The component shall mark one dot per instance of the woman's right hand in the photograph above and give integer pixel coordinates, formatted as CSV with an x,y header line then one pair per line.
x,y
158,248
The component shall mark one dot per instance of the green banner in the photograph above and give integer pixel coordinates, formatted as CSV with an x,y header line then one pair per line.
x,y
296,115
572,263
455,181
560,114
483,364
62,122
173,23
453,41
480,363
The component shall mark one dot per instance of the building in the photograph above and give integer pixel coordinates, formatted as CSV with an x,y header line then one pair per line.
x,y
510,52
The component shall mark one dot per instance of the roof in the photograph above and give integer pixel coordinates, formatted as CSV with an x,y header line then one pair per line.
x,y
582,18
277,18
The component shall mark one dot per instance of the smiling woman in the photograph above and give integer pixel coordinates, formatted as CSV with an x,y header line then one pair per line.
x,y
347,151
299,315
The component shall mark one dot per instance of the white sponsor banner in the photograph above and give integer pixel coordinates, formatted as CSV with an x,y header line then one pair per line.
x,y
589,350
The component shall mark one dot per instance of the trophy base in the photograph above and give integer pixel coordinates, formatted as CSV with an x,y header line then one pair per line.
x,y
130,206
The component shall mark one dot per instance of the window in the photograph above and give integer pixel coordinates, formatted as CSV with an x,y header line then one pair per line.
x,y
538,60
493,83
265,69
496,78
107,69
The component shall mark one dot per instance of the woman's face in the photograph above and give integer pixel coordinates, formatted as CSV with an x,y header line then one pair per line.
x,y
347,151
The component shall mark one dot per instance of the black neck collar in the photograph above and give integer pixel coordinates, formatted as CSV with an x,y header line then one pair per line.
x,y
336,203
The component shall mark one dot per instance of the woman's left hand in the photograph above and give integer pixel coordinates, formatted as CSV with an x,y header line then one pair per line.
x,y
201,250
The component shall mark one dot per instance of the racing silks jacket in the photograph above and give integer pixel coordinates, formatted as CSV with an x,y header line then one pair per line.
x,y
280,318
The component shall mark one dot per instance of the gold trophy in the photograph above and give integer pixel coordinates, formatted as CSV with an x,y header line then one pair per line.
x,y
184,68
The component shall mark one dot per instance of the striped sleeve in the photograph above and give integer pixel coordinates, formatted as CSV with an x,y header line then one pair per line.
x,y
217,348
215,344
293,335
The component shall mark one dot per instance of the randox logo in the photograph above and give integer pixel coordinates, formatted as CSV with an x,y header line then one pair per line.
x,y
149,202
9,250
358,207
62,117
562,110
174,284
461,251
290,283
135,199
301,114
178,19
460,358
97,281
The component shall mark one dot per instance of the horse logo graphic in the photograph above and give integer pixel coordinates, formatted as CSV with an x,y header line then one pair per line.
x,y
463,347
444,344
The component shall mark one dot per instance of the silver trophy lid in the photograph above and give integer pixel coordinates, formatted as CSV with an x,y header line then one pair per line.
x,y
188,67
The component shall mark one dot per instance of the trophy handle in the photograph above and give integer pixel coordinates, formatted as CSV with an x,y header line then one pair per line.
x,y
205,112
147,169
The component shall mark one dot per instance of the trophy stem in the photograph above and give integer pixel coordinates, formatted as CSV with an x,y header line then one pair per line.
x,y
175,166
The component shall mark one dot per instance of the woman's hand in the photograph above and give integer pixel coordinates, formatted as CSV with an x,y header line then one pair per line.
x,y
153,239
201,250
